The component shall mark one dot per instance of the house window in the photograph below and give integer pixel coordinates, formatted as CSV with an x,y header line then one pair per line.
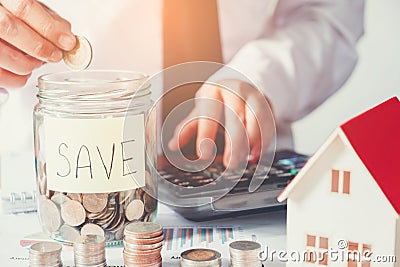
x,y
356,253
340,182
317,248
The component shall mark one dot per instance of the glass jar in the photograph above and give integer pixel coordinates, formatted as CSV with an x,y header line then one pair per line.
x,y
95,153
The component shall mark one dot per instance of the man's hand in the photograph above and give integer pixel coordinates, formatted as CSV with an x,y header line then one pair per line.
x,y
242,109
30,34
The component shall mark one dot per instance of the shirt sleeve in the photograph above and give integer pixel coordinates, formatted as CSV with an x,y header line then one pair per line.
x,y
308,55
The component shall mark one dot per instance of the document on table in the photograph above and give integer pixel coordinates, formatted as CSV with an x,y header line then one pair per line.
x,y
180,234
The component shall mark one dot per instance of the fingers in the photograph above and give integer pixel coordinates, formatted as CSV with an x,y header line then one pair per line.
x,y
18,34
236,140
259,124
17,62
11,80
183,132
46,23
209,105
249,124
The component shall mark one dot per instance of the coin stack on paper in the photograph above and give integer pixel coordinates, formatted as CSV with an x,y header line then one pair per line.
x,y
81,56
89,250
66,216
245,253
201,257
142,244
45,254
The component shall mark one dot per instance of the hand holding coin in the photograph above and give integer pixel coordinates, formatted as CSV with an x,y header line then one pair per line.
x,y
32,34
80,57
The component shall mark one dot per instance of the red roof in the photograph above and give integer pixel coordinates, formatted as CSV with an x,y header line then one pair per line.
x,y
375,136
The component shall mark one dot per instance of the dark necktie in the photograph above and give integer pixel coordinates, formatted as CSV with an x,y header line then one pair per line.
x,y
190,33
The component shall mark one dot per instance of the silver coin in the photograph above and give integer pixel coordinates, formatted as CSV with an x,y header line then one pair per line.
x,y
69,233
244,246
73,213
245,253
92,229
95,202
59,198
134,210
49,214
143,229
81,56
75,196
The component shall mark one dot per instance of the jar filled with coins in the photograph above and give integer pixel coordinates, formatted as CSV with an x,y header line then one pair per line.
x,y
95,153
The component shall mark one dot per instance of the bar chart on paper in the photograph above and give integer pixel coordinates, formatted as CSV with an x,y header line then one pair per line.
x,y
179,238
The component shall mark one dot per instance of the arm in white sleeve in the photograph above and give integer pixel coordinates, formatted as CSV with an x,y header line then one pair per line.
x,y
307,57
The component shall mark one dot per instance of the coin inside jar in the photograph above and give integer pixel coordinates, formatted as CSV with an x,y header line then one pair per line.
x,y
73,213
49,214
95,202
134,210
92,229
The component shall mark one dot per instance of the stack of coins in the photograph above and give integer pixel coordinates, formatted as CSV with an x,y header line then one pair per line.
x,y
245,253
89,250
45,254
142,244
201,257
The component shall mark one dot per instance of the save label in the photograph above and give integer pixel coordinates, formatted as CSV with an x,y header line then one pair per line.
x,y
94,155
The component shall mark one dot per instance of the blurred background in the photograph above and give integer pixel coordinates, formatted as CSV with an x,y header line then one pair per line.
x,y
376,77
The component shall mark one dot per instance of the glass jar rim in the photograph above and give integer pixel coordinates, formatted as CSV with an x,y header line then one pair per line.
x,y
93,91
91,78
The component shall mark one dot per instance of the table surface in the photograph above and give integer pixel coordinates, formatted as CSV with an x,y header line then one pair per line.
x,y
268,229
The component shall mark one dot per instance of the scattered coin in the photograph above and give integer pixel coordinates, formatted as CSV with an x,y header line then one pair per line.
x,y
95,202
134,210
73,213
81,56
45,254
201,257
245,253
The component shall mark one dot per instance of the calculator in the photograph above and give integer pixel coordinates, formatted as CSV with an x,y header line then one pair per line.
x,y
183,186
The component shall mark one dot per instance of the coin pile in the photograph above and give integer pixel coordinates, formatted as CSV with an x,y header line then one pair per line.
x,y
142,244
45,254
201,257
89,250
245,253
66,216
81,56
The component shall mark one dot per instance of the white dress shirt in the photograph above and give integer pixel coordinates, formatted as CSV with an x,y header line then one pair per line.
x,y
297,52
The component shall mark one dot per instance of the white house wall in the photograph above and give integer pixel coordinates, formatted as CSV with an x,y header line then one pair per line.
x,y
364,215
397,248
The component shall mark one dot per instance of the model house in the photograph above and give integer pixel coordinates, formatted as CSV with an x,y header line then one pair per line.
x,y
347,197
